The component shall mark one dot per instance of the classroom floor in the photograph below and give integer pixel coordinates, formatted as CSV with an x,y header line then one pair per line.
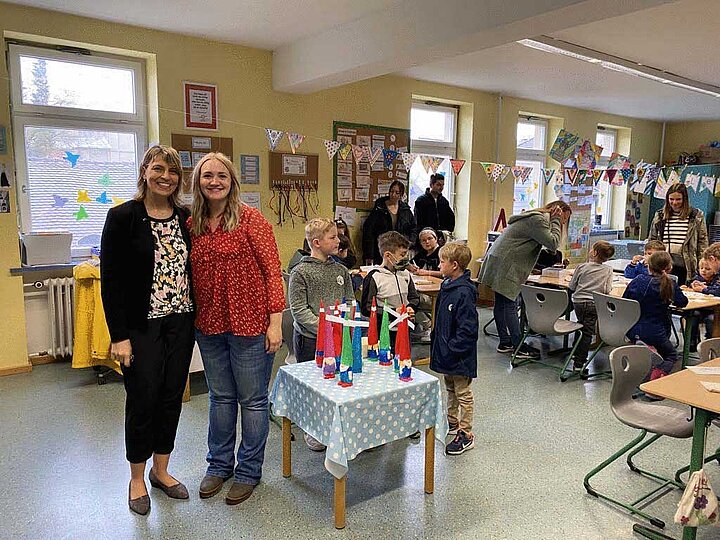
x,y
64,473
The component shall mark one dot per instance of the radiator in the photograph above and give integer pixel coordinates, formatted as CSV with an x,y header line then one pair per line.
x,y
61,309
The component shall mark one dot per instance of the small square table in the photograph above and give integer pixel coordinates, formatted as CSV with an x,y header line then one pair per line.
x,y
376,410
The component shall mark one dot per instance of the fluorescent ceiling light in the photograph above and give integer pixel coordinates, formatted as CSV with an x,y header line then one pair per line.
x,y
620,65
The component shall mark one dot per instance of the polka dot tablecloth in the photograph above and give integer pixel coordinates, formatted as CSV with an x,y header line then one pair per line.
x,y
377,409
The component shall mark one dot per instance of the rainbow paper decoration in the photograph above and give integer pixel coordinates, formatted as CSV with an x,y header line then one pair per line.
x,y
346,362
402,347
357,365
329,358
337,337
320,340
385,354
373,334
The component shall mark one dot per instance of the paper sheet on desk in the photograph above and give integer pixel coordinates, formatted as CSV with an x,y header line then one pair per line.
x,y
704,370
711,386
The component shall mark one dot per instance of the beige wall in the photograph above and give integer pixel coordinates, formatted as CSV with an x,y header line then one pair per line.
x,y
687,137
247,103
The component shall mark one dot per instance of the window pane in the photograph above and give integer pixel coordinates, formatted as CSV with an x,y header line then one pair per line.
x,y
531,136
56,83
432,125
420,180
601,201
528,195
606,139
77,198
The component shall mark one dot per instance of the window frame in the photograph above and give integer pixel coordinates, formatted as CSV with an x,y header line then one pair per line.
x,y
49,116
532,154
602,163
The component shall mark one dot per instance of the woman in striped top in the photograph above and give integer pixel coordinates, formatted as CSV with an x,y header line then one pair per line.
x,y
683,230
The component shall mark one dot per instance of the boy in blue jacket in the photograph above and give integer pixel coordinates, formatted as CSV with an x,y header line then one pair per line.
x,y
639,264
454,342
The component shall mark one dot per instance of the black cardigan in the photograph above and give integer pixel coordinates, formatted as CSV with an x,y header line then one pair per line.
x,y
127,263
379,221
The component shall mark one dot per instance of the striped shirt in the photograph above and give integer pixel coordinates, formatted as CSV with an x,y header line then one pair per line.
x,y
675,234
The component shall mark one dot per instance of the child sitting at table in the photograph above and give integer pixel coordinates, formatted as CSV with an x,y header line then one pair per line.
x,y
427,261
588,278
316,278
655,292
454,343
392,282
638,265
707,281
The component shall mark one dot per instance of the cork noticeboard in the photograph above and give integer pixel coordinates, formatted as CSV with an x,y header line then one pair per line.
x,y
359,184
192,149
293,171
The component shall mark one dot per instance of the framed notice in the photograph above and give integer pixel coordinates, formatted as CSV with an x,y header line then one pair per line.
x,y
200,106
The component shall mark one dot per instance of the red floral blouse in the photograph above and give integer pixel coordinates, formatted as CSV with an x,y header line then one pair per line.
x,y
236,277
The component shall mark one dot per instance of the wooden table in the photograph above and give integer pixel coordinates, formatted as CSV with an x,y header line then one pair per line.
x,y
684,387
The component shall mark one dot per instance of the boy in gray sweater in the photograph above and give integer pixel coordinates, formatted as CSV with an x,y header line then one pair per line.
x,y
590,277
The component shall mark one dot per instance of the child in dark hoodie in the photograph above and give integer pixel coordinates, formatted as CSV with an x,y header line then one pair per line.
x,y
454,342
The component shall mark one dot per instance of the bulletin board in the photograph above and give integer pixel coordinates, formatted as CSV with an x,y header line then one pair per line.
x,y
293,171
580,198
192,149
358,184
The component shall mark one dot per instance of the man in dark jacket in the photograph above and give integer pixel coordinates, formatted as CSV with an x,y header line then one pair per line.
x,y
432,209
382,219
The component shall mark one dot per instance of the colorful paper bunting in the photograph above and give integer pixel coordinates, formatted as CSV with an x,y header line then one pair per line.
x,y
570,175
331,147
692,180
408,159
358,152
345,150
597,174
564,145
673,177
625,176
295,140
708,182
374,153
71,158
389,157
457,165
273,137
435,163
425,160
548,175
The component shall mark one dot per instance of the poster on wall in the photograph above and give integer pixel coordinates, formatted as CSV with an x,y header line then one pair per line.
x,y
200,106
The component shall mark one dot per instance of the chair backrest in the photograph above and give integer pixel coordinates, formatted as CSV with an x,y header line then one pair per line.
x,y
629,365
709,349
543,307
616,316
287,330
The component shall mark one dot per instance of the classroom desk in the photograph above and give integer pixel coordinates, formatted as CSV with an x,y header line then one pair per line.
x,y
378,409
697,301
684,387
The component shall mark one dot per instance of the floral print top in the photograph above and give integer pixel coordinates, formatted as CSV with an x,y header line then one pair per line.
x,y
170,287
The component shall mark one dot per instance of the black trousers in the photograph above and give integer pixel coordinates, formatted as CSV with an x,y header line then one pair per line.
x,y
154,384
587,316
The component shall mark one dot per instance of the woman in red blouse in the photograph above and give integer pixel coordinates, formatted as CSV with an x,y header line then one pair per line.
x,y
239,299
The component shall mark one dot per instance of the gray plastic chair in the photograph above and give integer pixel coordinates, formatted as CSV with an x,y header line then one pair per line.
x,y
630,365
616,316
545,309
287,330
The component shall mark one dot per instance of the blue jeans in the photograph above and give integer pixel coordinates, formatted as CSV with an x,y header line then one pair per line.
x,y
237,370
506,320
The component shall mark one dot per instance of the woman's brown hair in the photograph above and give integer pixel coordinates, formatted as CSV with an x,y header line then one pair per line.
x,y
658,264
682,190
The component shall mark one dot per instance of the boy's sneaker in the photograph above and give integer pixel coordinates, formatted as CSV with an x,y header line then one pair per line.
x,y
313,444
460,444
453,429
504,349
577,366
527,353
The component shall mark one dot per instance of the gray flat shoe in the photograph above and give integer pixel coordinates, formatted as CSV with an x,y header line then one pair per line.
x,y
178,491
141,505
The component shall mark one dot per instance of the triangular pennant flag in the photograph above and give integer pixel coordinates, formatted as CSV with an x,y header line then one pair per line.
x,y
408,159
457,165
651,175
692,180
488,168
708,182
358,152
673,177
331,147
345,150
610,175
516,171
389,157
425,160
435,163
548,175
597,175
295,140
374,154
581,176
625,176
571,175
273,137
501,172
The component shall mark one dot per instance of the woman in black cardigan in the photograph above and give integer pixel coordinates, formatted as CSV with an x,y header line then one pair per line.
x,y
147,297
390,213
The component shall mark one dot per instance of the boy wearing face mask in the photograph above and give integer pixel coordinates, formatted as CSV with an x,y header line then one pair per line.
x,y
392,282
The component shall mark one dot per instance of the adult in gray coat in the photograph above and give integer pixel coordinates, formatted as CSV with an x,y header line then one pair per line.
x,y
510,260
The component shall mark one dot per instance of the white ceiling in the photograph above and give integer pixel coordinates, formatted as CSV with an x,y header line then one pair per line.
x,y
468,43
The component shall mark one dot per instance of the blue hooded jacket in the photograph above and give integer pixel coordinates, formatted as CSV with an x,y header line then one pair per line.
x,y
455,334
712,286
654,323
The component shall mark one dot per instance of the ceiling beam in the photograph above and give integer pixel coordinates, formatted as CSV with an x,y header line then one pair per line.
x,y
415,32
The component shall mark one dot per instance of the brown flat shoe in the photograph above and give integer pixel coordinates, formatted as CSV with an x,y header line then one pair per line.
x,y
238,493
210,485
178,491
141,505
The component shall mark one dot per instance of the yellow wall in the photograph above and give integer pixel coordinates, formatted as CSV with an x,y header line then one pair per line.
x,y
243,76
687,137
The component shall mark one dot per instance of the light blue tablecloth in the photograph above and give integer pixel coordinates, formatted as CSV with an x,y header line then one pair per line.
x,y
377,409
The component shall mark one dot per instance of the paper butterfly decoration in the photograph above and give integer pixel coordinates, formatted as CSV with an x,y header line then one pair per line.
x,y
71,158
81,214
273,137
83,196
103,198
331,147
105,180
58,201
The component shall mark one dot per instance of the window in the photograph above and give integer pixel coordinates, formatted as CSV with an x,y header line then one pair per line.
x,y
79,128
602,194
531,152
433,130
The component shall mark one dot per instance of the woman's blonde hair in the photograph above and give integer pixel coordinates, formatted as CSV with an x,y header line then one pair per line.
x,y
170,156
200,209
